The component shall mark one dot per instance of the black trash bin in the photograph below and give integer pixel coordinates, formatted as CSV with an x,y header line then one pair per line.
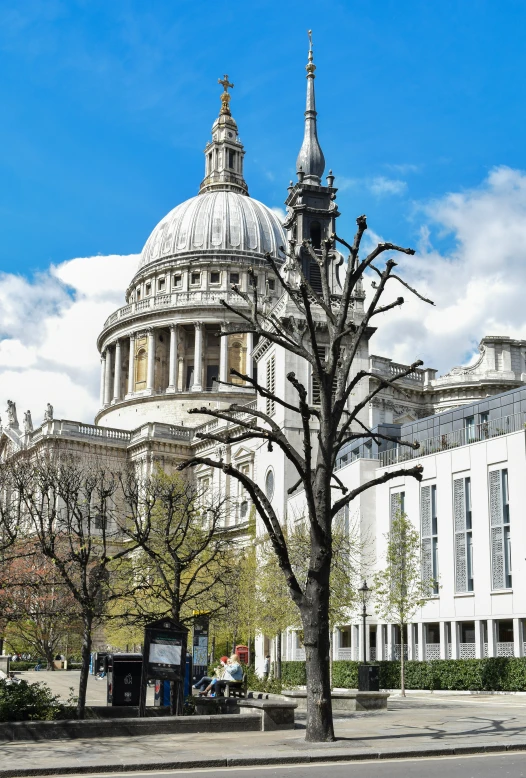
x,y
124,678
368,678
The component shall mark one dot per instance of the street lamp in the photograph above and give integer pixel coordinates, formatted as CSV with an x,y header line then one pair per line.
x,y
364,592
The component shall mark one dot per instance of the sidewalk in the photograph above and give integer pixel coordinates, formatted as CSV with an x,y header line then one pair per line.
x,y
423,725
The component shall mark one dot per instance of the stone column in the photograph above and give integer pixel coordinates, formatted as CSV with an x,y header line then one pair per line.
x,y
102,377
118,372
172,374
517,638
380,648
421,642
479,640
455,651
367,642
223,358
150,375
492,647
250,346
131,365
361,657
389,628
443,640
107,378
198,358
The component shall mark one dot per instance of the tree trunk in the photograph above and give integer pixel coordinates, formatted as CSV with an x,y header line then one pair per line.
x,y
315,618
84,669
50,656
402,662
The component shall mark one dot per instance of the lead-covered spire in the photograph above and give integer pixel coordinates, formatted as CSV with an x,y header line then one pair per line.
x,y
310,159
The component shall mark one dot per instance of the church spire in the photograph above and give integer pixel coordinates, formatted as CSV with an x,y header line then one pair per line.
x,y
224,155
310,159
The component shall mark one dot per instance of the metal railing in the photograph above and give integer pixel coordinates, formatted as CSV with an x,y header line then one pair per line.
x,y
464,437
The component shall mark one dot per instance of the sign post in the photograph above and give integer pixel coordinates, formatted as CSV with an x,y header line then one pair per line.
x,y
164,659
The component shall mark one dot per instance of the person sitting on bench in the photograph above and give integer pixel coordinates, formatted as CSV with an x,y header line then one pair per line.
x,y
233,672
206,683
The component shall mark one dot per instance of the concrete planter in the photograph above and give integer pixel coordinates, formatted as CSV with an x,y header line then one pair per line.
x,y
343,701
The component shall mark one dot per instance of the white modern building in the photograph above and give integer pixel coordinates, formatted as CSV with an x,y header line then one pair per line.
x,y
161,357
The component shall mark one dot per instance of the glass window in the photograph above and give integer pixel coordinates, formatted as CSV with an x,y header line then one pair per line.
x,y
195,279
464,579
161,284
269,484
215,277
234,278
271,284
148,289
178,280
501,572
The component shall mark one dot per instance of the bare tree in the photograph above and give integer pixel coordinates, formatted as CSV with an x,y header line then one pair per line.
x,y
70,507
313,320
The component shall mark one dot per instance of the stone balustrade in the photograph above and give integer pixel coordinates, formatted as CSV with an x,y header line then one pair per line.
x,y
174,300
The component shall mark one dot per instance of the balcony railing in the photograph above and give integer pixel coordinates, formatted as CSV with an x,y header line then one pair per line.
x,y
478,432
467,651
175,300
345,653
505,649
432,651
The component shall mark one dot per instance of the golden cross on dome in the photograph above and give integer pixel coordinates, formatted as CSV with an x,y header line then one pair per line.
x,y
225,83
225,97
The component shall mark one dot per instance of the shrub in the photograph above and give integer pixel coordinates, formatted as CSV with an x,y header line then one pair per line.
x,y
268,685
490,674
293,674
28,702
22,665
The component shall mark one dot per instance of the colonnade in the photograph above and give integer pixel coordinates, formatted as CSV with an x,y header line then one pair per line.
x,y
112,363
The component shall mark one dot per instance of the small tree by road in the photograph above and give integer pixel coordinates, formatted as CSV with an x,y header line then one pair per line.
x,y
69,507
399,586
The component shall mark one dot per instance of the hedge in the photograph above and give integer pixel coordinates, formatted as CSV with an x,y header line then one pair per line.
x,y
491,674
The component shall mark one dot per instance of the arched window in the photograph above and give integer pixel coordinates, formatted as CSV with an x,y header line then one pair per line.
x,y
315,234
269,484
141,367
236,360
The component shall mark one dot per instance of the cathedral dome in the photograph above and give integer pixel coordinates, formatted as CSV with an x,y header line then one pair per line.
x,y
215,221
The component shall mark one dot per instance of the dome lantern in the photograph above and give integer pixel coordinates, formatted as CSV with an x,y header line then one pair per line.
x,y
224,155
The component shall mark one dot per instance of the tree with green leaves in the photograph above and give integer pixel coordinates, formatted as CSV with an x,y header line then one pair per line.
x,y
183,559
399,586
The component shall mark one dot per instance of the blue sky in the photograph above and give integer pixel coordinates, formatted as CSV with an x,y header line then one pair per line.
x,y
106,108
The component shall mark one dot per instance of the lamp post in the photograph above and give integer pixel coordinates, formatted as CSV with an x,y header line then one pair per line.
x,y
364,591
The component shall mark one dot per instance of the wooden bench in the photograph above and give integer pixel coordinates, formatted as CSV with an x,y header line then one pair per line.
x,y
236,688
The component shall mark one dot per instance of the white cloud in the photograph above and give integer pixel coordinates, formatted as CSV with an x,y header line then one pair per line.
x,y
280,212
380,185
48,328
477,284
404,168
377,185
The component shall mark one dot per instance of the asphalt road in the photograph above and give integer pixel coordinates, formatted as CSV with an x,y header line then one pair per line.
x,y
484,766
